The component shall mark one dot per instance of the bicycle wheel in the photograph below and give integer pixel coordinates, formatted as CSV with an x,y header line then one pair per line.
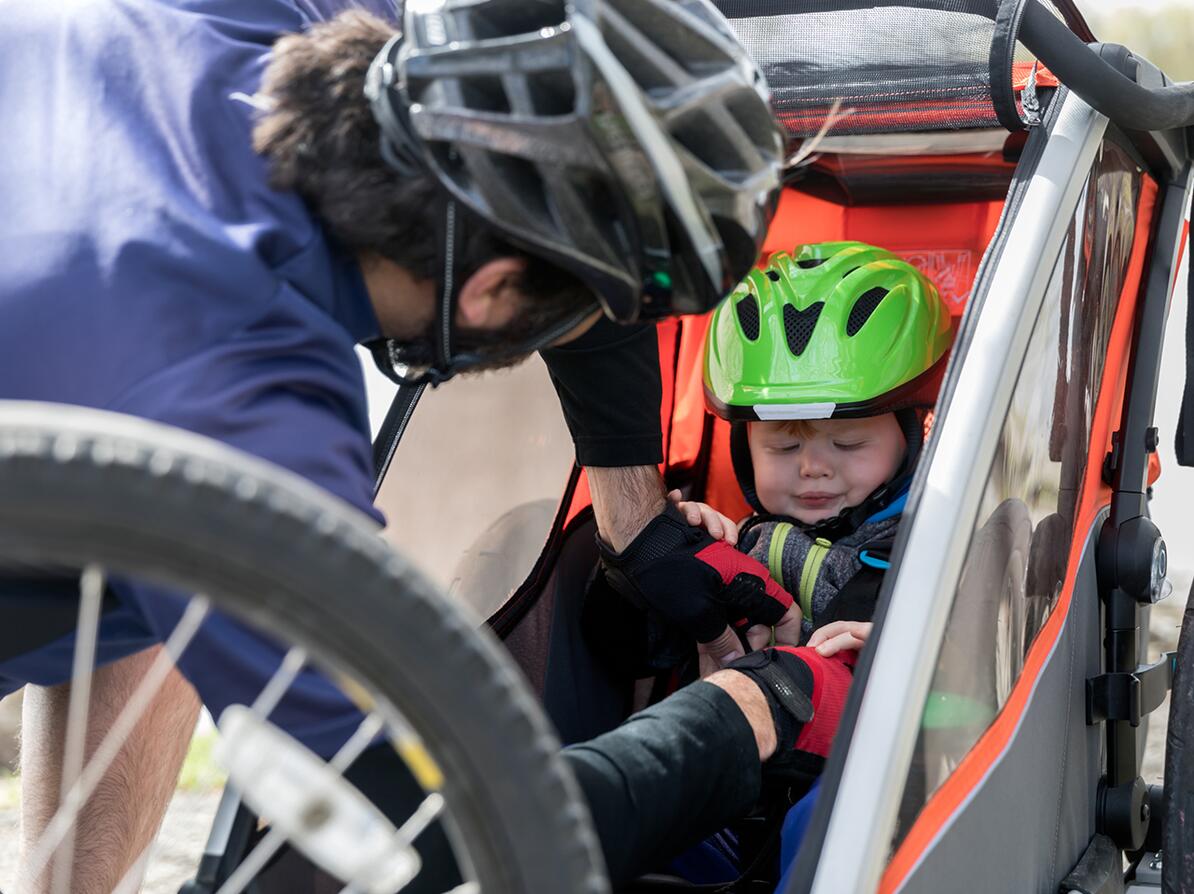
x,y
1177,868
86,489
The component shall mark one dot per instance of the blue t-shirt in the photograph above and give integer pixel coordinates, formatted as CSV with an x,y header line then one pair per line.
x,y
146,266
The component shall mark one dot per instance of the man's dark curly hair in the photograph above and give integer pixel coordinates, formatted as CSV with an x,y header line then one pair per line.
x,y
322,142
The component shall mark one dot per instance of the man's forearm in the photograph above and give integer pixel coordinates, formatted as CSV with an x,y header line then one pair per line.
x,y
674,773
624,500
754,706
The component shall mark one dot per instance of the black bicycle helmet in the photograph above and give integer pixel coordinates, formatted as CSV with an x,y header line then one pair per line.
x,y
631,142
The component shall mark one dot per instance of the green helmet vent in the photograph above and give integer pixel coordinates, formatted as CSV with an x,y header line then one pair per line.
x,y
748,317
834,329
799,326
866,305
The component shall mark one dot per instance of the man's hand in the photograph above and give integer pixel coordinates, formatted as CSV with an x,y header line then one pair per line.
x,y
805,695
700,584
839,636
717,654
711,656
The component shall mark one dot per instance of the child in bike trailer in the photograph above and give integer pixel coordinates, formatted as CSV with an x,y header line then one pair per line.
x,y
826,364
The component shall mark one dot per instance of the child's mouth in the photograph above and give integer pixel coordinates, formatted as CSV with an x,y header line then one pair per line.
x,y
815,501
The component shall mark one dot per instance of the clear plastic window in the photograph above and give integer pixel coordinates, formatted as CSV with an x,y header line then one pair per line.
x,y
476,481
1020,545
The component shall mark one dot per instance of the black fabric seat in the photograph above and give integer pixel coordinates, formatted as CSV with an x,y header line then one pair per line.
x,y
582,698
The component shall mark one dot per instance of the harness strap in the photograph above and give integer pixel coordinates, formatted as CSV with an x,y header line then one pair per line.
x,y
809,573
775,552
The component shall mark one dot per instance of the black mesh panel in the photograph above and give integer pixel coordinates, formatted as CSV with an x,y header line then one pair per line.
x,y
748,316
913,65
799,325
863,308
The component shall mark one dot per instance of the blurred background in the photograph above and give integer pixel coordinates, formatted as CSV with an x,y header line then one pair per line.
x,y
1160,30
1163,32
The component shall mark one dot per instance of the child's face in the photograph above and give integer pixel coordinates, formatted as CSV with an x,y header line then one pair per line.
x,y
837,466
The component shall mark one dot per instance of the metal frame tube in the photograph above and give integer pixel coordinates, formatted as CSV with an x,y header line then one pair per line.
x,y
856,846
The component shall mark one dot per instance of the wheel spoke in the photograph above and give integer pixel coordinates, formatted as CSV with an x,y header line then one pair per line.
x,y
273,691
426,813
68,811
91,591
269,845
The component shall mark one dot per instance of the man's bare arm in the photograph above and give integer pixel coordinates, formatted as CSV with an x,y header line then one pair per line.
x,y
624,500
753,703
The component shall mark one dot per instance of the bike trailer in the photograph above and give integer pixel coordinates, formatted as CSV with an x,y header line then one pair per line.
x,y
994,736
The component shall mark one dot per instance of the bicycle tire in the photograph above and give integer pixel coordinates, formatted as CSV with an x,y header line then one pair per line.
x,y
1177,868
84,486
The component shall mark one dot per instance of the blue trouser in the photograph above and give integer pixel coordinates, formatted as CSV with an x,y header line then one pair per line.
x,y
226,662
715,860
792,835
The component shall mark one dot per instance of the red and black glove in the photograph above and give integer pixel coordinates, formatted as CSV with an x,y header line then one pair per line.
x,y
806,692
697,583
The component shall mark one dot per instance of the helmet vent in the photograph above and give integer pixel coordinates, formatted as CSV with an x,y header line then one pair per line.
x,y
866,304
810,263
799,326
748,317
511,18
552,95
484,95
773,275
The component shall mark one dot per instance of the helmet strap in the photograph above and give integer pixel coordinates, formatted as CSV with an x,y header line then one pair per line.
x,y
430,359
744,469
400,146
450,249
434,357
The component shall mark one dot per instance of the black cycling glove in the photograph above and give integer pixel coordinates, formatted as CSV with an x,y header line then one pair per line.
x,y
697,583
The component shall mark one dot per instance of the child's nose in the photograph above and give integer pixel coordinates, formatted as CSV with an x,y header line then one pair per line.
x,y
814,465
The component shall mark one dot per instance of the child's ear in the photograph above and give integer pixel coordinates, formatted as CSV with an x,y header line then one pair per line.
x,y
490,298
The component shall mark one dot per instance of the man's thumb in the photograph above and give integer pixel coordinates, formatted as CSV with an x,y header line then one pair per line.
x,y
726,648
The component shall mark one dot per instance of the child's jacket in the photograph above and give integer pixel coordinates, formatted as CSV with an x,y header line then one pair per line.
x,y
836,581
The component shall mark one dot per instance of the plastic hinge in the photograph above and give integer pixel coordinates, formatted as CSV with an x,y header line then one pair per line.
x,y
1129,696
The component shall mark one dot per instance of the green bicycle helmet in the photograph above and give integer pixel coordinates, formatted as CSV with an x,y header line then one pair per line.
x,y
831,330
836,329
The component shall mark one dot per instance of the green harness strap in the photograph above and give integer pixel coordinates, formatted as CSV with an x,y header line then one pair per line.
x,y
775,552
808,573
